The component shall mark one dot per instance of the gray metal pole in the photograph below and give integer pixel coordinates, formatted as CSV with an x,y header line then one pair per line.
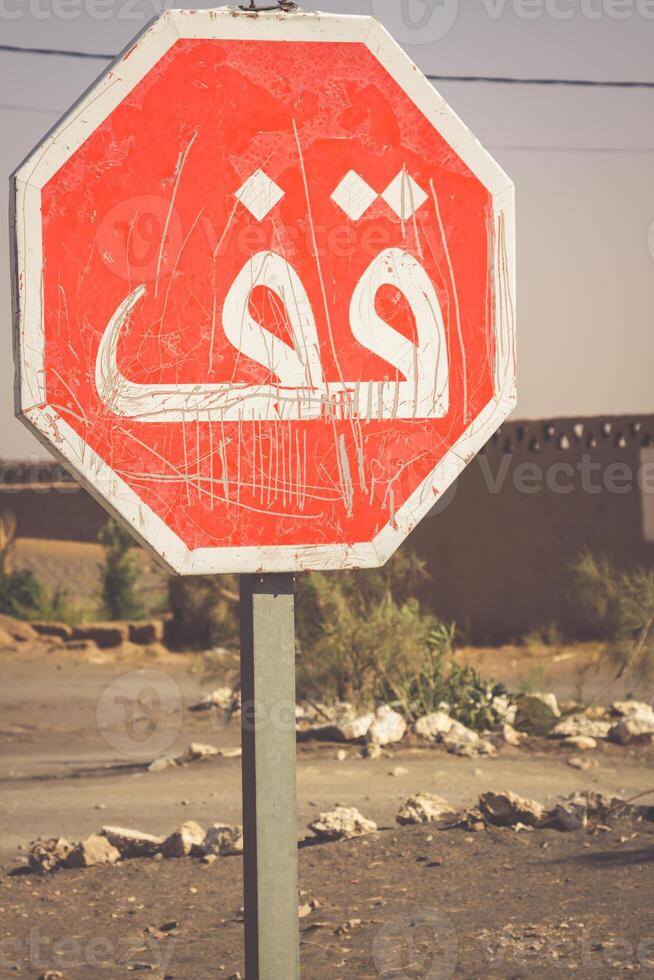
x,y
269,786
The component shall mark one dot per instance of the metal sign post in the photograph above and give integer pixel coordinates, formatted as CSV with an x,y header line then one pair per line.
x,y
269,792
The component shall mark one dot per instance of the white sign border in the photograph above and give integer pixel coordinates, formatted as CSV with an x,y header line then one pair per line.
x,y
26,230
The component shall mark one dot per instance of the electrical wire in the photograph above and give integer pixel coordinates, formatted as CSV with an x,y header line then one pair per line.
x,y
488,79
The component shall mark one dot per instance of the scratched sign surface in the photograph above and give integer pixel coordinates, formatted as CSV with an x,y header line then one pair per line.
x,y
264,291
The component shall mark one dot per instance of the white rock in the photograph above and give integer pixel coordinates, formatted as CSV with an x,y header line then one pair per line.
x,y
458,733
510,735
222,698
342,823
434,725
507,809
91,851
632,730
501,705
580,725
224,840
634,709
188,839
371,751
163,762
584,743
387,728
424,808
132,843
550,700
198,751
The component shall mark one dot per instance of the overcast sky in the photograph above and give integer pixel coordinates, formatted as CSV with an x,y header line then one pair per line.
x,y
582,161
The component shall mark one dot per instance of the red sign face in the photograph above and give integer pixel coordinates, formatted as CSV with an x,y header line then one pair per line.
x,y
271,293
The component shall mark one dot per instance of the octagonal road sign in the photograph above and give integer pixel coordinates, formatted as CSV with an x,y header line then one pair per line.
x,y
264,291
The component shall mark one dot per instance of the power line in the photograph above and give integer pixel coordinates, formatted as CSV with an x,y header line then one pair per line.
x,y
57,52
574,82
489,79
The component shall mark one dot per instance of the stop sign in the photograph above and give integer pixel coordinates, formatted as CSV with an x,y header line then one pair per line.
x,y
264,292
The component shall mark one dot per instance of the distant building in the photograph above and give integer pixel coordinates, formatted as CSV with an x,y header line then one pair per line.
x,y
498,546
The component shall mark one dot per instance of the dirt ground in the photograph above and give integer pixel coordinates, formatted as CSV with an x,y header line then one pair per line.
x,y
419,902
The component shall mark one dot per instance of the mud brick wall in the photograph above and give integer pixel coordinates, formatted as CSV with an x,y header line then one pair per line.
x,y
498,546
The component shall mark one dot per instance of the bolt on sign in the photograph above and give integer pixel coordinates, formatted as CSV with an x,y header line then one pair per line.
x,y
264,291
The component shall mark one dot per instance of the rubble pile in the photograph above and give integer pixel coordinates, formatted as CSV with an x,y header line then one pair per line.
x,y
114,844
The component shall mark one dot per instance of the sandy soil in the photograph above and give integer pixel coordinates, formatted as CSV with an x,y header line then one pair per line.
x,y
72,758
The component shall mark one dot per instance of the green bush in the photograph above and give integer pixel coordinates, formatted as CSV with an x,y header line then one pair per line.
x,y
21,594
620,604
120,573
205,610
363,638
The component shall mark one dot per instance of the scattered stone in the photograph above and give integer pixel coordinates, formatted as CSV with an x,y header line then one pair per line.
x,y
508,809
571,814
132,843
163,762
387,728
342,823
371,751
583,743
187,840
434,725
47,855
576,762
104,635
550,700
234,753
466,743
632,730
351,730
348,927
634,709
511,736
209,858
52,975
93,850
60,631
424,808
223,840
595,711
399,771
196,752
504,708
576,726
536,714
225,699
341,755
